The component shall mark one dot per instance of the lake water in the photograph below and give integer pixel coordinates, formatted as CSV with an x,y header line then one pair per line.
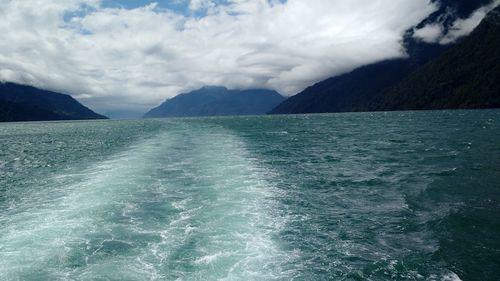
x,y
357,196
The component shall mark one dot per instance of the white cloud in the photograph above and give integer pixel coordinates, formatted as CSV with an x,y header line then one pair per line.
x,y
462,27
430,33
114,58
195,5
434,32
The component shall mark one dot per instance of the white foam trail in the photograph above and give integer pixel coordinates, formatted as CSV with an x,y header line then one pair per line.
x,y
452,276
227,221
213,216
44,234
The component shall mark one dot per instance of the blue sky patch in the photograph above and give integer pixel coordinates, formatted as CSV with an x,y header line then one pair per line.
x,y
178,6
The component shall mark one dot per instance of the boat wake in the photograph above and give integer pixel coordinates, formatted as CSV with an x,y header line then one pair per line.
x,y
178,206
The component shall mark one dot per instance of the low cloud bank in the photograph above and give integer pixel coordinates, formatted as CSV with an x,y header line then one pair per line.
x,y
436,33
119,59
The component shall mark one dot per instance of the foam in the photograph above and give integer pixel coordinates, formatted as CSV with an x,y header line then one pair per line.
x,y
452,276
160,209
65,215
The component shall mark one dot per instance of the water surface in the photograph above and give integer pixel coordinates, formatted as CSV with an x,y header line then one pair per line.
x,y
361,196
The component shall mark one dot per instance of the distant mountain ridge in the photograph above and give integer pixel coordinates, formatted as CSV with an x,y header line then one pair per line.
x,y
27,103
371,87
217,101
465,76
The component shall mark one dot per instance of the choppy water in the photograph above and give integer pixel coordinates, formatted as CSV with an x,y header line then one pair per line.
x,y
362,196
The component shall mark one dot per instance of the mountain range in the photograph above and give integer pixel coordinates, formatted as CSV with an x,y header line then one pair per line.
x,y
27,103
434,76
217,101
465,76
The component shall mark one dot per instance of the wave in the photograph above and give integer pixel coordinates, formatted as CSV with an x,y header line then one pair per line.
x,y
182,205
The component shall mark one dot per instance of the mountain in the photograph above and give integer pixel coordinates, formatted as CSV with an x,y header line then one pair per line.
x,y
355,91
26,103
217,101
363,88
466,76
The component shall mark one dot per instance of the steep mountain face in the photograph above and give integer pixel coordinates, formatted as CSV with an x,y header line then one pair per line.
x,y
353,91
361,89
466,76
356,90
217,101
26,103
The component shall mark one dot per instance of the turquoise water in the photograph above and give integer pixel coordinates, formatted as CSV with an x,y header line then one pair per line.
x,y
361,196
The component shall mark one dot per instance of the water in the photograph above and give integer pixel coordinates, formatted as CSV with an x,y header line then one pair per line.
x,y
362,196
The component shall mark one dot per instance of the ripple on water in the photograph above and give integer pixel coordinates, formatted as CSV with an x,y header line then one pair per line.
x,y
379,196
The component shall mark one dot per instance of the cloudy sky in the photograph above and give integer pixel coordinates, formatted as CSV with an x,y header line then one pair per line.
x,y
131,55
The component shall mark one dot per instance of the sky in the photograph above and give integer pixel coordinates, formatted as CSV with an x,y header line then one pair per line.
x,y
132,55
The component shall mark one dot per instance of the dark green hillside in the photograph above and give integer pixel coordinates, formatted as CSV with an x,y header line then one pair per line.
x,y
466,76
26,103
